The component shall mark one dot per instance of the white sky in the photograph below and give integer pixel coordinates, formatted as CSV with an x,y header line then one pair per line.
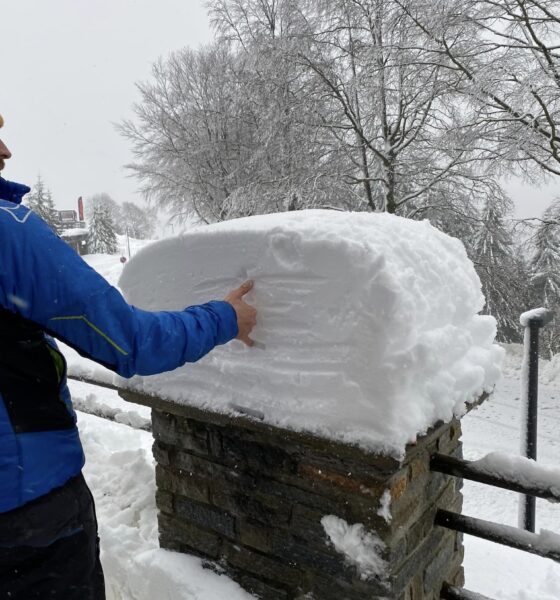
x,y
531,200
68,74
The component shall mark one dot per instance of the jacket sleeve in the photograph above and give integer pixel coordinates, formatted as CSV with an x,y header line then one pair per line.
x,y
45,281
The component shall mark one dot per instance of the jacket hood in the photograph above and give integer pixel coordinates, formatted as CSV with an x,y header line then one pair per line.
x,y
12,192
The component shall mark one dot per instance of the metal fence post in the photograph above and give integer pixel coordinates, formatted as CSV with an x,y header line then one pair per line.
x,y
533,321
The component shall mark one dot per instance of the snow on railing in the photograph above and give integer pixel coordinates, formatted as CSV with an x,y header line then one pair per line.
x,y
97,409
545,544
517,473
501,470
513,473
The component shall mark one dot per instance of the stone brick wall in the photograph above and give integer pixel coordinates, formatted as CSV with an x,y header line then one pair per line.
x,y
251,497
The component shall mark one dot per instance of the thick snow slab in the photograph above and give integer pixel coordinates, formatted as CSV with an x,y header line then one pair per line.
x,y
367,323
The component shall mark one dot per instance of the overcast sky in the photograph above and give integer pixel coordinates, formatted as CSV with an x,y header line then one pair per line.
x,y
68,73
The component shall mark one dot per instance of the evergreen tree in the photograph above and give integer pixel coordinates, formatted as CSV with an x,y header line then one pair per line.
x,y
502,273
40,201
101,236
112,207
545,273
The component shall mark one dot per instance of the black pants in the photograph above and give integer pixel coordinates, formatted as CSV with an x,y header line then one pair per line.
x,y
49,548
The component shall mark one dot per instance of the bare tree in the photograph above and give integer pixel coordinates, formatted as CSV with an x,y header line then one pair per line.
x,y
390,106
379,107
297,165
189,139
315,103
505,55
136,221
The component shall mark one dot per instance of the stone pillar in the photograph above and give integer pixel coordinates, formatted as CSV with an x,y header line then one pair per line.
x,y
252,498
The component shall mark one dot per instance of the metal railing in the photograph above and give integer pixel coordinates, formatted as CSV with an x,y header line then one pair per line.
x,y
533,322
469,470
522,537
107,413
450,592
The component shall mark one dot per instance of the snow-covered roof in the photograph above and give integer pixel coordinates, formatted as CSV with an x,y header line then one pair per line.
x,y
74,232
368,324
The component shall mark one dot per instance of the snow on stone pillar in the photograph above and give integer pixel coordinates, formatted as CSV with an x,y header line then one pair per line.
x,y
290,515
302,466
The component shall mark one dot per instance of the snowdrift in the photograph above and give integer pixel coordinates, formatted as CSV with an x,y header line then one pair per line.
x,y
368,327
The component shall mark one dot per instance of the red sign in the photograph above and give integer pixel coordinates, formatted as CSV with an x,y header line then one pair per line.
x,y
123,259
81,208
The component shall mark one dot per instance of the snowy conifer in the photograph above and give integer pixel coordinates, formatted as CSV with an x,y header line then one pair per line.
x,y
545,264
500,269
110,205
545,273
40,201
101,237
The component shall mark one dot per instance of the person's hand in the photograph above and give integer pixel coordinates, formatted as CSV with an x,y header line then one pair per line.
x,y
246,314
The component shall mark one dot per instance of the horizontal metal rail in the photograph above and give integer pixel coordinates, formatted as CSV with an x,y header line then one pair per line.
x,y
108,386
449,592
494,532
463,468
109,415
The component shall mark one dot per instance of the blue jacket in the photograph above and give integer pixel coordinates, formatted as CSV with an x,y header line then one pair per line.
x,y
47,290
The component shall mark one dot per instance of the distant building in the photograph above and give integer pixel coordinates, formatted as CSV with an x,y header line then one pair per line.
x,y
68,219
76,238
72,227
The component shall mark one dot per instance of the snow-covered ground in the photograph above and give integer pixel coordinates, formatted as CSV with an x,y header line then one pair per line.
x,y
120,471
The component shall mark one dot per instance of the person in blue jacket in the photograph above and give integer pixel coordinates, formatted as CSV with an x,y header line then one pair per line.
x,y
48,532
